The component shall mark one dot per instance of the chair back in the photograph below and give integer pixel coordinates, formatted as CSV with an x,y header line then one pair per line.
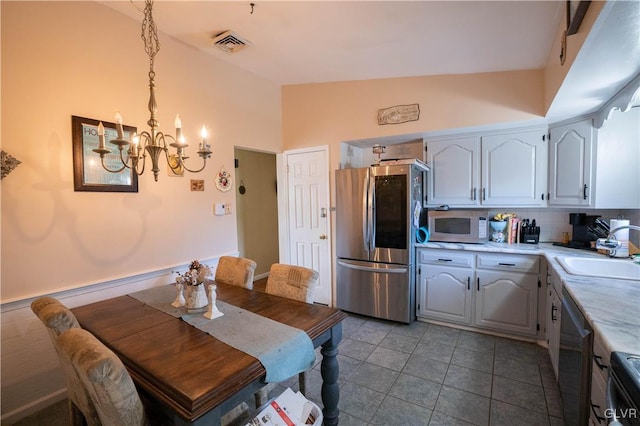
x,y
58,319
104,377
293,282
236,271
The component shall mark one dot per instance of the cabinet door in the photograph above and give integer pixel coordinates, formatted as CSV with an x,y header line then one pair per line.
x,y
445,293
507,301
570,152
514,169
455,171
553,327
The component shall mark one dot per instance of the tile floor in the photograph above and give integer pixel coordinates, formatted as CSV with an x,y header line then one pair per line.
x,y
425,374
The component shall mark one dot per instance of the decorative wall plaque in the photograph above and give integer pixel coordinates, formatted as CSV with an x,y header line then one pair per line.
x,y
399,114
7,164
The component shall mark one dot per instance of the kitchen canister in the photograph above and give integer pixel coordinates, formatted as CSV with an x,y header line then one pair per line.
x,y
622,236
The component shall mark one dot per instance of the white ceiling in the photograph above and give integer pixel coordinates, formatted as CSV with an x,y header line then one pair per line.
x,y
297,42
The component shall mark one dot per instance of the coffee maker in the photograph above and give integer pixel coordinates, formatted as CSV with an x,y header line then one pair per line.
x,y
582,234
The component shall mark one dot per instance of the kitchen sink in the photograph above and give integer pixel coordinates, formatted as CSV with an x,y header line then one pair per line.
x,y
598,267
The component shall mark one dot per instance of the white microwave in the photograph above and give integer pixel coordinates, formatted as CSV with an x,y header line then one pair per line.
x,y
458,226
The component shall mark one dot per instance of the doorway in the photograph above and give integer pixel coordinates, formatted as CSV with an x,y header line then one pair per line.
x,y
257,208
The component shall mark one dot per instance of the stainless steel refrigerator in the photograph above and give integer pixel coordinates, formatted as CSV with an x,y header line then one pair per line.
x,y
378,210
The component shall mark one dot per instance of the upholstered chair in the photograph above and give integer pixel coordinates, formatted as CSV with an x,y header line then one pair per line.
x,y
58,319
104,377
236,271
293,282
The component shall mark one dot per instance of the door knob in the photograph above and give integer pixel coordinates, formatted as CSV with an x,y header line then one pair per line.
x,y
323,236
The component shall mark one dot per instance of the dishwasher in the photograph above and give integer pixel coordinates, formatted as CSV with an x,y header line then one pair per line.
x,y
574,369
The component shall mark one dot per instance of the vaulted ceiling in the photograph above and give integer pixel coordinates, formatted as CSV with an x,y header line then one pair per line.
x,y
297,42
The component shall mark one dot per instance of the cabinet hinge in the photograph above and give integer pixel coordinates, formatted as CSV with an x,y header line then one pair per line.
x,y
544,137
538,327
425,148
419,271
539,284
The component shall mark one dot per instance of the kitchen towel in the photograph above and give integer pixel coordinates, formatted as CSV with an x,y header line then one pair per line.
x,y
622,236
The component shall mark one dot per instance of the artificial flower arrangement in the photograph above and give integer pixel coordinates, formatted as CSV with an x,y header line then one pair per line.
x,y
196,274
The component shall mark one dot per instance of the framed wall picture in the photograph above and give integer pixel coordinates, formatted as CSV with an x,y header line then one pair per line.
x,y
88,173
575,13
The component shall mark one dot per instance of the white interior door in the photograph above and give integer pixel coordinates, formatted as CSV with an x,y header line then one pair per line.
x,y
307,195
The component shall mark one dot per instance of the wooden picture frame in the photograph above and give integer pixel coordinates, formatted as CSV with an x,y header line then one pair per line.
x,y
88,173
575,13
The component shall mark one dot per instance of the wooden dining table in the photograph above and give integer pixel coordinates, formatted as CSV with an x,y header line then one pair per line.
x,y
194,378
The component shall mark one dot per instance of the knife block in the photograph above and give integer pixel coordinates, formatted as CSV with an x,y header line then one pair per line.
x,y
530,235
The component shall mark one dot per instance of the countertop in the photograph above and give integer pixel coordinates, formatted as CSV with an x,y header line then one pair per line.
x,y
612,306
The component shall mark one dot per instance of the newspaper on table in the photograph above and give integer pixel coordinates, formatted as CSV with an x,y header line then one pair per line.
x,y
289,409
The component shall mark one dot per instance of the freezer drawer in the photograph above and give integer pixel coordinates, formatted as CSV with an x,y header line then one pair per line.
x,y
376,289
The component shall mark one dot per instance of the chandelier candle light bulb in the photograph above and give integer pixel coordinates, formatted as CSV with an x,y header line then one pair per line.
x,y
100,136
118,119
178,124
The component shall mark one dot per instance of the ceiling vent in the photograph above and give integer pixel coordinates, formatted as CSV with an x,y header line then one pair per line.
x,y
230,42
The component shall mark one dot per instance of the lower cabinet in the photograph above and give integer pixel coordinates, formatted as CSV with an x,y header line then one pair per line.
x,y
507,301
552,322
599,375
490,291
445,293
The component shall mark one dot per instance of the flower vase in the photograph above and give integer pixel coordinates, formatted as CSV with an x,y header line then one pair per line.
x,y
195,298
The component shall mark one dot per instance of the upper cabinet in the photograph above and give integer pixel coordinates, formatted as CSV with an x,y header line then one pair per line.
x,y
488,169
597,168
454,177
570,164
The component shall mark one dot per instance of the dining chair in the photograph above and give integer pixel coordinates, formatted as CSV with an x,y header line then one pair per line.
x,y
236,271
57,318
293,282
104,377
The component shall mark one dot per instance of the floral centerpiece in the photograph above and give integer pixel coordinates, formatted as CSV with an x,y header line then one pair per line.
x,y
191,281
196,274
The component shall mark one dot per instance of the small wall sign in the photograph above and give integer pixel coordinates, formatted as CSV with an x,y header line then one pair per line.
x,y
399,114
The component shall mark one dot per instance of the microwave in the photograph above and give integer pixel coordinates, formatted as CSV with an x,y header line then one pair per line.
x,y
458,226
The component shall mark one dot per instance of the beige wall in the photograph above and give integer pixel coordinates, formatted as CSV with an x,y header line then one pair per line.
x,y
80,58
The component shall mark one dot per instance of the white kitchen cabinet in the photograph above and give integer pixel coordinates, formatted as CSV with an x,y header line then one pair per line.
x,y
596,168
570,154
514,169
489,291
444,282
507,293
599,375
506,168
552,323
454,178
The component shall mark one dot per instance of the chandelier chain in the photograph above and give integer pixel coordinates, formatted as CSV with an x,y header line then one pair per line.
x,y
150,35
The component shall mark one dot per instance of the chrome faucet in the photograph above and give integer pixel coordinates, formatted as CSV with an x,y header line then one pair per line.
x,y
610,243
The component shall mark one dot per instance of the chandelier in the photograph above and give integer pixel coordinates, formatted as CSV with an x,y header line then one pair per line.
x,y
153,142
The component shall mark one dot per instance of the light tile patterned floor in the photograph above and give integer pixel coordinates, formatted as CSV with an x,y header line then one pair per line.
x,y
424,374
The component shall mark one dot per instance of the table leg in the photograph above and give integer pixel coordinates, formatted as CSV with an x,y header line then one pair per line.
x,y
330,370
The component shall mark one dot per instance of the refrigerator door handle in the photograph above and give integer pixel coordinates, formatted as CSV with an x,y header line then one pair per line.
x,y
390,270
370,190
